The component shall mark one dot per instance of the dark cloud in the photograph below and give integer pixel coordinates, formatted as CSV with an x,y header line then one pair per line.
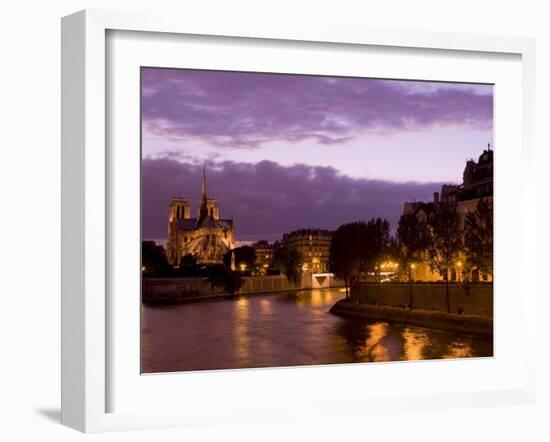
x,y
267,199
242,110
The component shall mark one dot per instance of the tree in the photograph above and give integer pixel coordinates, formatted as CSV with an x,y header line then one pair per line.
x,y
188,261
377,244
153,258
231,282
348,257
289,260
377,247
413,240
478,237
445,243
245,257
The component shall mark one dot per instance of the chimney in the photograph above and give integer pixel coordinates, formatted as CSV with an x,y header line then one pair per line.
x,y
436,200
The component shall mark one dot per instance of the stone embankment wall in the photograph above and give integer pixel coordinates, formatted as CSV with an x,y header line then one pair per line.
x,y
475,299
265,284
182,289
176,289
471,324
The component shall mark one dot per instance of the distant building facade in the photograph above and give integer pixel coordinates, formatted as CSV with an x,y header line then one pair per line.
x,y
477,184
206,237
264,255
314,245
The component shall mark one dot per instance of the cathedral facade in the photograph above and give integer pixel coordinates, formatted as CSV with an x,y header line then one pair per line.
x,y
206,237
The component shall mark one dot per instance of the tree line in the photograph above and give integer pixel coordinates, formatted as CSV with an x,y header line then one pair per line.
x,y
358,249
286,260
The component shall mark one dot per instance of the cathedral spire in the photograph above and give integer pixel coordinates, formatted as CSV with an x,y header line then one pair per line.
x,y
203,212
203,197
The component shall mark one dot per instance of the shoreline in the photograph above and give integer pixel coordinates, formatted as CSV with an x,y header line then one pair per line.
x,y
211,297
433,319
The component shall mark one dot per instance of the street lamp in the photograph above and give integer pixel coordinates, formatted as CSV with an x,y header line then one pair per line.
x,y
413,266
459,265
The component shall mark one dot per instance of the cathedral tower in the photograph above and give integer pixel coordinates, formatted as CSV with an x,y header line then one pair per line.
x,y
179,209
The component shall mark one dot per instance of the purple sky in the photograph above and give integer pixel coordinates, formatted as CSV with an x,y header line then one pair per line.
x,y
286,151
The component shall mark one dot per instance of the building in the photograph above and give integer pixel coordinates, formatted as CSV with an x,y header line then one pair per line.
x,y
206,237
314,245
264,255
477,183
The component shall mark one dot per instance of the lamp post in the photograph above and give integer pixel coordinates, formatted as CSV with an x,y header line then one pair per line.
x,y
411,279
459,265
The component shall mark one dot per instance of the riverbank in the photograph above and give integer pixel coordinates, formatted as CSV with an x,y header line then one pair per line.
x,y
213,296
472,324
176,290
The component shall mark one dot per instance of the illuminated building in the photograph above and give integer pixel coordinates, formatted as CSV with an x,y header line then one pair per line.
x,y
264,255
314,245
477,184
206,237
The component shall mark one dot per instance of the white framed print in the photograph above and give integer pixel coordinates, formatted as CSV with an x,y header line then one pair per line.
x,y
266,222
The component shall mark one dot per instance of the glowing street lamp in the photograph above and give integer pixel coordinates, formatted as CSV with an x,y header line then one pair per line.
x,y
413,266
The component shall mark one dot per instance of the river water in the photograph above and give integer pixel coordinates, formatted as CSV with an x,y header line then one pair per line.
x,y
284,330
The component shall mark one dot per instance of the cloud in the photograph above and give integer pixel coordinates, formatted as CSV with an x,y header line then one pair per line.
x,y
267,199
244,110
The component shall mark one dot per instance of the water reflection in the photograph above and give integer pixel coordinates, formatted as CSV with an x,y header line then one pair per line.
x,y
241,332
458,350
414,343
284,330
265,306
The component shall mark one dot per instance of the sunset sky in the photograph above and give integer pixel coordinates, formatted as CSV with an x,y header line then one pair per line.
x,y
285,151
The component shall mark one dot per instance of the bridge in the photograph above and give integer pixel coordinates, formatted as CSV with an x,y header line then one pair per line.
x,y
319,280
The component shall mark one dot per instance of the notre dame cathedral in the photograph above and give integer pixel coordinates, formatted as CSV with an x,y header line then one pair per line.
x,y
206,237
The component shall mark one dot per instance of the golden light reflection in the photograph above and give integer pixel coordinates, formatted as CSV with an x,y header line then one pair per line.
x,y
413,347
317,298
374,348
241,337
458,350
265,306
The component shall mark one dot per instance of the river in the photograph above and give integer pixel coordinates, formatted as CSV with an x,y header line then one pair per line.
x,y
284,330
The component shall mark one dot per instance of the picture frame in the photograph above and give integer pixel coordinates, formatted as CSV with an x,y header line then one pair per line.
x,y
86,207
